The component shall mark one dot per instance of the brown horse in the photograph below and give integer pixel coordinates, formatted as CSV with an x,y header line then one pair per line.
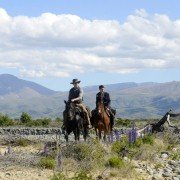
x,y
101,121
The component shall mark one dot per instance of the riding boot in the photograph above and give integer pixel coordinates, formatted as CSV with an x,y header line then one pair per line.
x,y
89,123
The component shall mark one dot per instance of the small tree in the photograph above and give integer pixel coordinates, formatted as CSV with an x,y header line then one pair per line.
x,y
25,118
5,120
46,121
58,120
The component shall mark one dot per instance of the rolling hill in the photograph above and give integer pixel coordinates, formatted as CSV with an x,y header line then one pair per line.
x,y
10,84
132,100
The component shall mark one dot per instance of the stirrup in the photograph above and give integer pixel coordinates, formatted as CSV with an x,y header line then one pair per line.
x,y
90,126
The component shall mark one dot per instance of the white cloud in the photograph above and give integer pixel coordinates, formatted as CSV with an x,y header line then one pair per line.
x,y
59,45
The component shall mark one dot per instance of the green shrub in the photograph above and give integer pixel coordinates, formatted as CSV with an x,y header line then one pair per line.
x,y
148,139
82,176
115,162
85,151
175,156
58,120
138,142
170,147
22,142
25,118
5,120
59,176
158,166
123,122
119,145
47,162
45,122
88,155
39,122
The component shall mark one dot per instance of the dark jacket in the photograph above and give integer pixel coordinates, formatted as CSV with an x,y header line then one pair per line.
x,y
103,97
76,93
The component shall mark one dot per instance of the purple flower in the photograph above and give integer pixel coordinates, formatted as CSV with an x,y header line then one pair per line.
x,y
130,136
117,134
112,137
134,134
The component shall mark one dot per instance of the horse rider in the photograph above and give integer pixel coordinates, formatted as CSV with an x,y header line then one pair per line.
x,y
76,97
104,97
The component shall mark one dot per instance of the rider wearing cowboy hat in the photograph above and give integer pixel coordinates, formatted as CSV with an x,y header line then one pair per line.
x,y
76,96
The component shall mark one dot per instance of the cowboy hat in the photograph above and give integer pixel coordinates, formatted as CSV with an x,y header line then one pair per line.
x,y
74,81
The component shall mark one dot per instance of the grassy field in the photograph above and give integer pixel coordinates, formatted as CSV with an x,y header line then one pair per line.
x,y
150,157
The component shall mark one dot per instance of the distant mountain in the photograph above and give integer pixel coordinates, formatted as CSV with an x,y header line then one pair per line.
x,y
112,87
131,100
10,84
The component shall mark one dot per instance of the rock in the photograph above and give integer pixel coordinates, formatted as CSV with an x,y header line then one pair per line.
x,y
135,164
126,159
175,178
157,177
176,170
166,174
7,174
164,156
172,162
167,170
140,170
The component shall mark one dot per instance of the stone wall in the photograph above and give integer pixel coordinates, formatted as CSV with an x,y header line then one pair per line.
x,y
29,131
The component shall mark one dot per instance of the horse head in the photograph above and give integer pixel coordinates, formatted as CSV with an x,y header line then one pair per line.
x,y
71,109
100,108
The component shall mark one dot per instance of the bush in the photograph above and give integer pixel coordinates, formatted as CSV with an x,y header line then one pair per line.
x,y
25,118
47,162
58,120
138,142
85,151
175,156
82,176
22,142
119,145
148,139
39,122
123,122
115,162
88,155
59,176
45,122
5,120
158,166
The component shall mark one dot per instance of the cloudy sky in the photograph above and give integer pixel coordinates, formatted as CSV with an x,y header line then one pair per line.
x,y
97,41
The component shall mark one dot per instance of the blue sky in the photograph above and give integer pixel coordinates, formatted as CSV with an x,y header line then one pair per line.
x,y
82,46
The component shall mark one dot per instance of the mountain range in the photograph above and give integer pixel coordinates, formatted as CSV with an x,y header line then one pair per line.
x,y
131,100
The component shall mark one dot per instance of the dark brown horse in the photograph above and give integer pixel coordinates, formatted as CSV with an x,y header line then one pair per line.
x,y
74,122
101,121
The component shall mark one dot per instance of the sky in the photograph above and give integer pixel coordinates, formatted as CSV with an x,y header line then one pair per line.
x,y
96,41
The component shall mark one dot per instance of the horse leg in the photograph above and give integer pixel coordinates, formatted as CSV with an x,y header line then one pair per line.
x,y
75,134
85,133
96,131
66,137
104,138
78,134
99,131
